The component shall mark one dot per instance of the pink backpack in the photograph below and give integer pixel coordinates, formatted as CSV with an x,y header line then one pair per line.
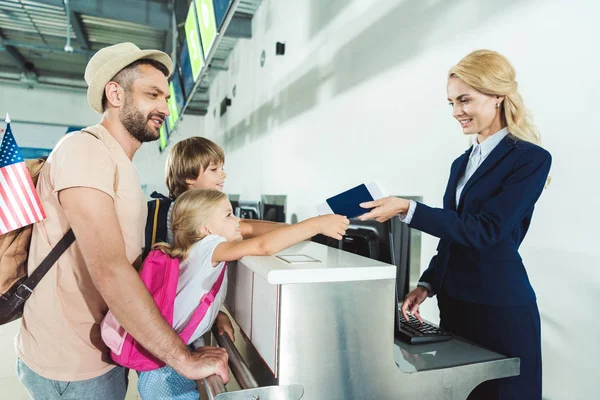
x,y
160,274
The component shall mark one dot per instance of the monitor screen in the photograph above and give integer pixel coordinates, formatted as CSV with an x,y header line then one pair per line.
x,y
187,75
234,199
206,21
273,208
221,7
235,206
250,210
178,91
194,48
165,126
369,239
172,103
274,212
162,139
401,255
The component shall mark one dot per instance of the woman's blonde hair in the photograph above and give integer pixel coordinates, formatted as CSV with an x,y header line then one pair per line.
x,y
491,73
190,212
187,159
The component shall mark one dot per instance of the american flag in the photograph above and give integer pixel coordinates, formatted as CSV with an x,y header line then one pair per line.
x,y
19,202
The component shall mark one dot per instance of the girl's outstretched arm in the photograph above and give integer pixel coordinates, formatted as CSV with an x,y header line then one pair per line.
x,y
250,228
334,226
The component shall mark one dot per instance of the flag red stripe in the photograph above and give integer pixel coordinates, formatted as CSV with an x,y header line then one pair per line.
x,y
21,183
19,195
7,214
3,219
31,193
13,199
3,228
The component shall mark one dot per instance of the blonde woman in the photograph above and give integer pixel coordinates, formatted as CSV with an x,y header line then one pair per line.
x,y
206,235
483,290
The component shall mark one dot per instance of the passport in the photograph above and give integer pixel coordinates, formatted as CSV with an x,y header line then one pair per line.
x,y
348,202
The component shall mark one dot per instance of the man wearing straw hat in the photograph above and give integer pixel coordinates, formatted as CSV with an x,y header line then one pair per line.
x,y
90,185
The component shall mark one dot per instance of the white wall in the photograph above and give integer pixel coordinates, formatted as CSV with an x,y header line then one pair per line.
x,y
45,106
360,95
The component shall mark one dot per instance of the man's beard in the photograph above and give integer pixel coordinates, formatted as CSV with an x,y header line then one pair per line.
x,y
136,124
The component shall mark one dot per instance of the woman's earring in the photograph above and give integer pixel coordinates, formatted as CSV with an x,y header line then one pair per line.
x,y
497,105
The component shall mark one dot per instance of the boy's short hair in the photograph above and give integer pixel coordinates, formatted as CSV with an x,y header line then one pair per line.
x,y
187,159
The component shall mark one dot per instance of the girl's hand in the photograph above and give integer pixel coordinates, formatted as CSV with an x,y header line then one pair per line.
x,y
384,209
224,325
332,225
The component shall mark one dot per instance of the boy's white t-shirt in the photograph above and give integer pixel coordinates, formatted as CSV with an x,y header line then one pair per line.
x,y
196,277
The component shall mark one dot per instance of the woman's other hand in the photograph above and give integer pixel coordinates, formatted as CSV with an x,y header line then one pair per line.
x,y
413,300
384,209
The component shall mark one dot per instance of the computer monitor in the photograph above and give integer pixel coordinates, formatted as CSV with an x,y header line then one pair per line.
x,y
221,7
192,36
234,199
163,140
207,24
401,253
250,209
369,239
187,75
274,207
177,91
173,111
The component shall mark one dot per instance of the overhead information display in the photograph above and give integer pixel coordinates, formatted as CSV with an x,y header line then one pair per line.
x,y
208,26
193,41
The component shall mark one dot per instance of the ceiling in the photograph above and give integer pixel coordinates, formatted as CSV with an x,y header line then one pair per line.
x,y
49,42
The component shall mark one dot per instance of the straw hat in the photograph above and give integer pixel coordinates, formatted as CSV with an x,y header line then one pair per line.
x,y
109,61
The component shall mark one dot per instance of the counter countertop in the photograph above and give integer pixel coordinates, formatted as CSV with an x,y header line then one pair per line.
x,y
334,266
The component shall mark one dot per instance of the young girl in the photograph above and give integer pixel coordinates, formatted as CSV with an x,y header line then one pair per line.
x,y
206,235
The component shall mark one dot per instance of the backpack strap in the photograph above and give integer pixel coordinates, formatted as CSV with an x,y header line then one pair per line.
x,y
203,307
25,289
156,222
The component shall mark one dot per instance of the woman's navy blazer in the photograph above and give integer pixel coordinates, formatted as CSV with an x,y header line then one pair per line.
x,y
478,254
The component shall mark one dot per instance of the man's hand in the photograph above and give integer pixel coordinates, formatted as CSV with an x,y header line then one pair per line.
x,y
384,209
203,362
224,325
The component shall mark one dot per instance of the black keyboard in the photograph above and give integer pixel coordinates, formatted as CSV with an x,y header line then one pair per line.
x,y
415,332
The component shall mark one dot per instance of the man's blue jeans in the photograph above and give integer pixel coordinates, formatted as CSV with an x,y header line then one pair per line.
x,y
110,386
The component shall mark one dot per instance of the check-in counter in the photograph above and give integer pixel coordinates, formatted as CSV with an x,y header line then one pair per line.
x,y
329,326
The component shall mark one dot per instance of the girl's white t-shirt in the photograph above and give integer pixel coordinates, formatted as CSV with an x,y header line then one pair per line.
x,y
196,277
